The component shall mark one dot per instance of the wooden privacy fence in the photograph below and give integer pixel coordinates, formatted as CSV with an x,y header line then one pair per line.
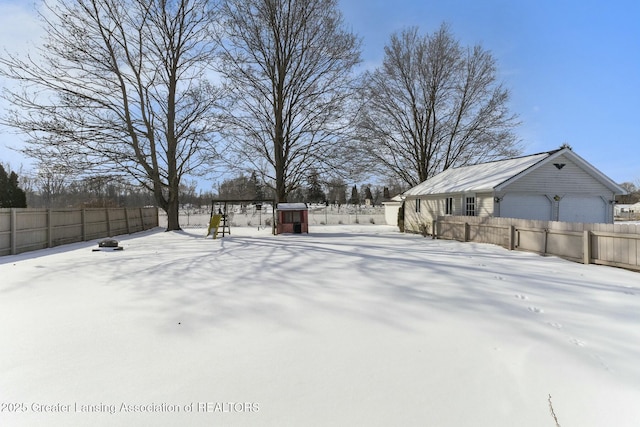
x,y
607,244
23,230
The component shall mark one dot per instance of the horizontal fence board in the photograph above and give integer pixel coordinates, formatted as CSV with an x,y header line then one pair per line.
x,y
25,229
607,244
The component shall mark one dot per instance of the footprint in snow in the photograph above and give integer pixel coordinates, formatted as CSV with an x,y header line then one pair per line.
x,y
499,277
601,362
577,342
555,325
522,297
536,310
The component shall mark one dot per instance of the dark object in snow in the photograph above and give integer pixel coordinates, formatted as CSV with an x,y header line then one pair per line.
x,y
108,244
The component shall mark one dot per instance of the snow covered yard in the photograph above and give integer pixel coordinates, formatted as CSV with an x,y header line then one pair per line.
x,y
346,326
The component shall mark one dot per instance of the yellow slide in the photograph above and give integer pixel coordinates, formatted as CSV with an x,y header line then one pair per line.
x,y
213,225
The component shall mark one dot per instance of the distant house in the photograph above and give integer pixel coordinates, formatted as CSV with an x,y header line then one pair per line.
x,y
627,211
553,186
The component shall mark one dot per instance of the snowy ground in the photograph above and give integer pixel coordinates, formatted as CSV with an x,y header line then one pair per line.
x,y
346,326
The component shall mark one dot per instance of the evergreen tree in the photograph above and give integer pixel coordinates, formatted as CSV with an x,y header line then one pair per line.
x,y
257,186
385,193
314,190
367,194
355,197
11,195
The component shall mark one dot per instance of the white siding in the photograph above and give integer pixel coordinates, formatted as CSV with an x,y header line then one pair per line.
x,y
548,179
430,208
484,204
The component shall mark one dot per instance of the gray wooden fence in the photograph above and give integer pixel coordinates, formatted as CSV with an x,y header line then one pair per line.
x,y
23,230
607,244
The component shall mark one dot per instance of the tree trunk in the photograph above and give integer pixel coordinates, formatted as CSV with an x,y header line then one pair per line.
x,y
173,199
173,205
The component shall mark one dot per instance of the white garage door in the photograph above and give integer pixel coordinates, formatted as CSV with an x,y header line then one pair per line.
x,y
582,209
525,207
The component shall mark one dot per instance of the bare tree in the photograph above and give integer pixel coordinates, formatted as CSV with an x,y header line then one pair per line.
x,y
633,193
433,105
118,86
288,65
51,181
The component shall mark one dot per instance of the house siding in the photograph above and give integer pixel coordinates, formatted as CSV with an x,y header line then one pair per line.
x,y
549,180
484,204
413,221
433,206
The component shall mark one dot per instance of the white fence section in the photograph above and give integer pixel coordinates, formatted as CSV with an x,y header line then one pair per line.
x,y
607,244
23,230
249,216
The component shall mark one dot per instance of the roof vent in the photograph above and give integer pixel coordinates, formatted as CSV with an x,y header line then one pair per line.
x,y
559,165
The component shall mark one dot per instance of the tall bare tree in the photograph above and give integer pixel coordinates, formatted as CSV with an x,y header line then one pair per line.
x,y
432,105
288,65
118,86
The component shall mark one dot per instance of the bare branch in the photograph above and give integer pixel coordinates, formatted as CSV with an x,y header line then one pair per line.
x,y
120,85
433,105
288,64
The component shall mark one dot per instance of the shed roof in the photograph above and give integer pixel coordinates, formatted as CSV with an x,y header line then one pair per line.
x,y
487,177
292,207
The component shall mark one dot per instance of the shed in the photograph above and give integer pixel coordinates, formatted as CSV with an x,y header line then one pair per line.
x,y
293,218
557,185
391,208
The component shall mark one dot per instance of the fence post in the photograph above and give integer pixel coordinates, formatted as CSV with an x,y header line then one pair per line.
x,y
586,247
14,233
107,210
126,219
434,229
141,219
49,228
512,237
83,216
467,231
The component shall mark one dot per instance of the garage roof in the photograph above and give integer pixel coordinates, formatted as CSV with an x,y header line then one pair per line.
x,y
475,178
486,177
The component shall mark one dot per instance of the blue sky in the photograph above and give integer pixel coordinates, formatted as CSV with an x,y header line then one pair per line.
x,y
573,67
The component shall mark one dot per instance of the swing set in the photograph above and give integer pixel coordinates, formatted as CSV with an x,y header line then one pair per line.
x,y
219,218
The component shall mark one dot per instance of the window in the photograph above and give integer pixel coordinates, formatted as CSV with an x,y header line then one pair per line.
x,y
448,206
291,217
470,206
418,205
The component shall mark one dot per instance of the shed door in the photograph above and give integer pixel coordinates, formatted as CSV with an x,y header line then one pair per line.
x,y
583,209
525,207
